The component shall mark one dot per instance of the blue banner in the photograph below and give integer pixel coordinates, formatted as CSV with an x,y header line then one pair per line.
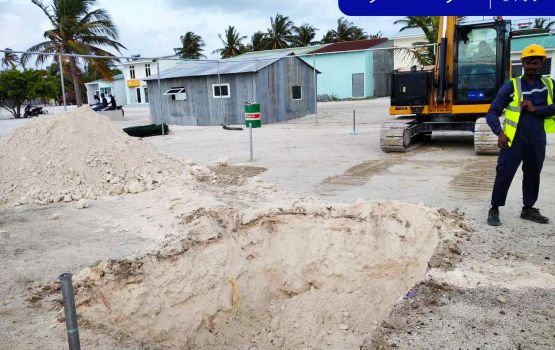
x,y
448,7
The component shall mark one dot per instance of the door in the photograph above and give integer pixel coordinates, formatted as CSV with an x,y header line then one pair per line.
x,y
358,85
138,91
146,95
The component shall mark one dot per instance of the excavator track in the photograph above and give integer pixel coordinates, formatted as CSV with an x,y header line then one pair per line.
x,y
485,142
396,135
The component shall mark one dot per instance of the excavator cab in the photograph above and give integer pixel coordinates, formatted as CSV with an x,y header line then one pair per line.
x,y
472,62
481,62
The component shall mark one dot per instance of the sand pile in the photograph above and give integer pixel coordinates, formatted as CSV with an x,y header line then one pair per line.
x,y
305,276
74,155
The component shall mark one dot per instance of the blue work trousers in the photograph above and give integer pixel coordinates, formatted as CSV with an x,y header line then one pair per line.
x,y
528,147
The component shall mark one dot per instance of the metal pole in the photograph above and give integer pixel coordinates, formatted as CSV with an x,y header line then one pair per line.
x,y
62,78
250,141
160,94
315,88
69,311
354,123
221,101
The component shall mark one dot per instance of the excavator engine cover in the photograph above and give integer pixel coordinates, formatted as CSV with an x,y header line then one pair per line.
x,y
411,88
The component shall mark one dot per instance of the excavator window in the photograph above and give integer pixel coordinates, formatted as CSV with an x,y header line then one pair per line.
x,y
476,65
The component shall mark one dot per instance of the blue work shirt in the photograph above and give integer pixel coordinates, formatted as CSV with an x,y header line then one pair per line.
x,y
529,122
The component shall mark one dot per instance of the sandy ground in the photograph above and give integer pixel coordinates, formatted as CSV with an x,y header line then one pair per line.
x,y
496,293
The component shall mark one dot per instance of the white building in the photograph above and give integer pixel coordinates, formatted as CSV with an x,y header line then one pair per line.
x,y
116,87
134,72
518,44
406,38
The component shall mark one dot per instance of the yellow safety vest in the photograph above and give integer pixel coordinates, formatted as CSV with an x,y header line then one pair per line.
x,y
512,112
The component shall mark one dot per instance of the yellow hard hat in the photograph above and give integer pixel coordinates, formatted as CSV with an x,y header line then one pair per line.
x,y
533,51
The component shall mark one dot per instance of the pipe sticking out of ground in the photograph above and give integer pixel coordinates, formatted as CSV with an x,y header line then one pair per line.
x,y
69,311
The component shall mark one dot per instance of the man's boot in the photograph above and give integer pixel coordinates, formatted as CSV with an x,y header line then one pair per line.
x,y
493,217
533,214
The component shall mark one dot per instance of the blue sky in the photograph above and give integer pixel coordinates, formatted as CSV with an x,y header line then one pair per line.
x,y
153,27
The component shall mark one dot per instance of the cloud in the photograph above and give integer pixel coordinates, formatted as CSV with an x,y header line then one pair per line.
x,y
22,25
152,28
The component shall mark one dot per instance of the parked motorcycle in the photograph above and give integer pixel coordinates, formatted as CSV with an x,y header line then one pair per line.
x,y
31,111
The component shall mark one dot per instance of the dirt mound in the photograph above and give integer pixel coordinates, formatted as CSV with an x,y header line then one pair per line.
x,y
309,275
74,155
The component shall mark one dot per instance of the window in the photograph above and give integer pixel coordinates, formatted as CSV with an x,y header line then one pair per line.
x,y
475,65
220,91
138,91
146,95
516,68
297,91
106,91
177,93
175,90
147,69
132,72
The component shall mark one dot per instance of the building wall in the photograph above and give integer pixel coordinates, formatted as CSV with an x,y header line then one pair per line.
x,y
117,88
515,57
381,67
140,74
275,94
337,69
401,58
119,92
200,107
91,89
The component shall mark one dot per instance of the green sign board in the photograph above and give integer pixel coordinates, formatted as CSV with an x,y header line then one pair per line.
x,y
252,115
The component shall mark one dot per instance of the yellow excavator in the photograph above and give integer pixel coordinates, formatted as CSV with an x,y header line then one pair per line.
x,y
472,62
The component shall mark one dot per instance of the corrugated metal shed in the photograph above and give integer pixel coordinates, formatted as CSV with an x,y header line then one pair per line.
x,y
519,44
269,82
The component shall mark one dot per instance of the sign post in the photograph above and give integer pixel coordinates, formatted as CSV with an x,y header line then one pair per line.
x,y
252,120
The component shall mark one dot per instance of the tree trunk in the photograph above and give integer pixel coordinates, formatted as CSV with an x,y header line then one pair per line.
x,y
75,79
18,111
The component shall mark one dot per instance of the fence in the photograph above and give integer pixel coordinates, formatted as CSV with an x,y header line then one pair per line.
x,y
311,88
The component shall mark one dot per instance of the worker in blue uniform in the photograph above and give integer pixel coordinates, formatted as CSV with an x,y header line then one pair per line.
x,y
529,114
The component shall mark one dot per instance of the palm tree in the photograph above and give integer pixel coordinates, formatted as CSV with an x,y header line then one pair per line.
x,y
329,37
233,45
304,35
280,32
191,46
358,34
10,59
345,31
430,27
258,41
543,23
378,35
428,24
77,29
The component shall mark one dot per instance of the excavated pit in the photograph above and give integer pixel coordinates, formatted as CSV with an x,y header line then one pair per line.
x,y
320,277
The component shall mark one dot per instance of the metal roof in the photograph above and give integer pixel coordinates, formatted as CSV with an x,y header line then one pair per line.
x,y
196,68
409,33
351,45
520,43
297,51
114,78
140,60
